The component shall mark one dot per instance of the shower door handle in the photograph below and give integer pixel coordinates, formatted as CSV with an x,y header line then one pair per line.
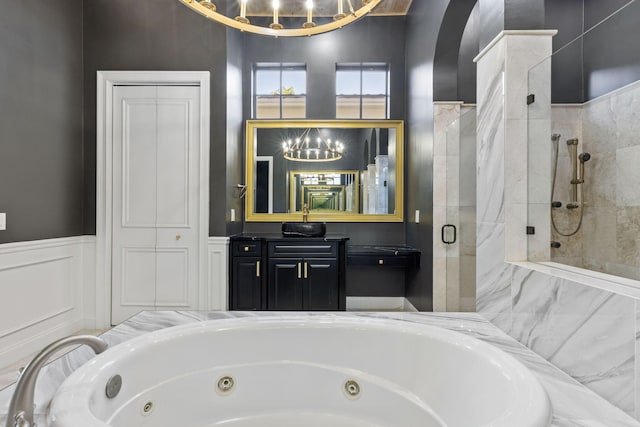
x,y
444,232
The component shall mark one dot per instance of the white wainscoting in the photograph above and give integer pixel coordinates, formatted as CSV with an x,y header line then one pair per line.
x,y
218,260
44,287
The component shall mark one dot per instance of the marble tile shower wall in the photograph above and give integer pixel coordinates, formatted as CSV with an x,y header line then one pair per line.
x,y
566,121
609,240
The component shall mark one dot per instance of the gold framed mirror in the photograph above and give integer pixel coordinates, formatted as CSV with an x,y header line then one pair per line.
x,y
343,170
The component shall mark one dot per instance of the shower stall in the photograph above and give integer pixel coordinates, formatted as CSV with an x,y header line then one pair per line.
x,y
587,135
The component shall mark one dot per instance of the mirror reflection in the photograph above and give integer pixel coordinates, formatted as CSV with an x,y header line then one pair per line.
x,y
324,191
341,170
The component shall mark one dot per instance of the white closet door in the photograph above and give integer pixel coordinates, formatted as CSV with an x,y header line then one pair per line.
x,y
155,199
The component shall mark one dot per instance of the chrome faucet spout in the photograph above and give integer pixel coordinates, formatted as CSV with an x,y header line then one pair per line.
x,y
21,411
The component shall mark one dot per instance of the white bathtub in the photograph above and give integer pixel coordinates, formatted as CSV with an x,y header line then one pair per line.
x,y
289,371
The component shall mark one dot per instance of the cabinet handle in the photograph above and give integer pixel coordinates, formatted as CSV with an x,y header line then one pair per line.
x,y
257,268
299,270
246,248
305,270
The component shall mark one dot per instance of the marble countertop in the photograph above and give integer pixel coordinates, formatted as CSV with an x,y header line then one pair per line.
x,y
573,404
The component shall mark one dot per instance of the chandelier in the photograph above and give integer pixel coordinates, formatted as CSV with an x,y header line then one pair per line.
x,y
342,16
303,149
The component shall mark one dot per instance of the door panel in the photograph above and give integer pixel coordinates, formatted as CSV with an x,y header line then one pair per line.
x,y
321,284
247,287
156,148
172,280
137,160
138,277
285,284
173,147
178,158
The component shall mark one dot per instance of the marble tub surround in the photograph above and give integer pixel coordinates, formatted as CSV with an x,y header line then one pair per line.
x,y
587,325
587,332
573,405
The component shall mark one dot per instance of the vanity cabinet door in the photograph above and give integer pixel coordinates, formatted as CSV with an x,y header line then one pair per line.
x,y
321,284
247,291
285,284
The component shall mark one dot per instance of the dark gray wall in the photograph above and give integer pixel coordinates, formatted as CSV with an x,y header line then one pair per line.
x,y
566,67
372,39
604,59
611,53
423,27
491,20
498,15
235,132
446,68
469,49
158,35
41,119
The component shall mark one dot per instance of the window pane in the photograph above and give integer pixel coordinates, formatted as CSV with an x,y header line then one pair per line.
x,y
294,82
294,107
347,107
374,82
267,82
268,107
374,107
347,82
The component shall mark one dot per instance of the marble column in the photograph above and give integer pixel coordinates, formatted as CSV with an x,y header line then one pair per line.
x,y
505,202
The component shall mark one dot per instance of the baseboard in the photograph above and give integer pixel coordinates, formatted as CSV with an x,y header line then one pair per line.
x,y
379,304
409,307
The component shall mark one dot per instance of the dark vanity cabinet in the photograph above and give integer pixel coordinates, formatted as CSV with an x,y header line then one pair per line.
x,y
301,274
248,290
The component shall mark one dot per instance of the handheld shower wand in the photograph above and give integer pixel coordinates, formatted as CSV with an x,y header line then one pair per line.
x,y
577,162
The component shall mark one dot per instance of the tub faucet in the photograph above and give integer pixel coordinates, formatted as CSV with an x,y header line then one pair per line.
x,y
21,406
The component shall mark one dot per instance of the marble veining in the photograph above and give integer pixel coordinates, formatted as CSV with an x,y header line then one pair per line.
x,y
588,333
573,404
493,284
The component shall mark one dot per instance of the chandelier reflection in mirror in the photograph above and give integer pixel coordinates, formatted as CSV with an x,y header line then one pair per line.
x,y
329,15
307,149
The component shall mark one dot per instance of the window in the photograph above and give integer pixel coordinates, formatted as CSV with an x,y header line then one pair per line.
x,y
362,91
279,91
